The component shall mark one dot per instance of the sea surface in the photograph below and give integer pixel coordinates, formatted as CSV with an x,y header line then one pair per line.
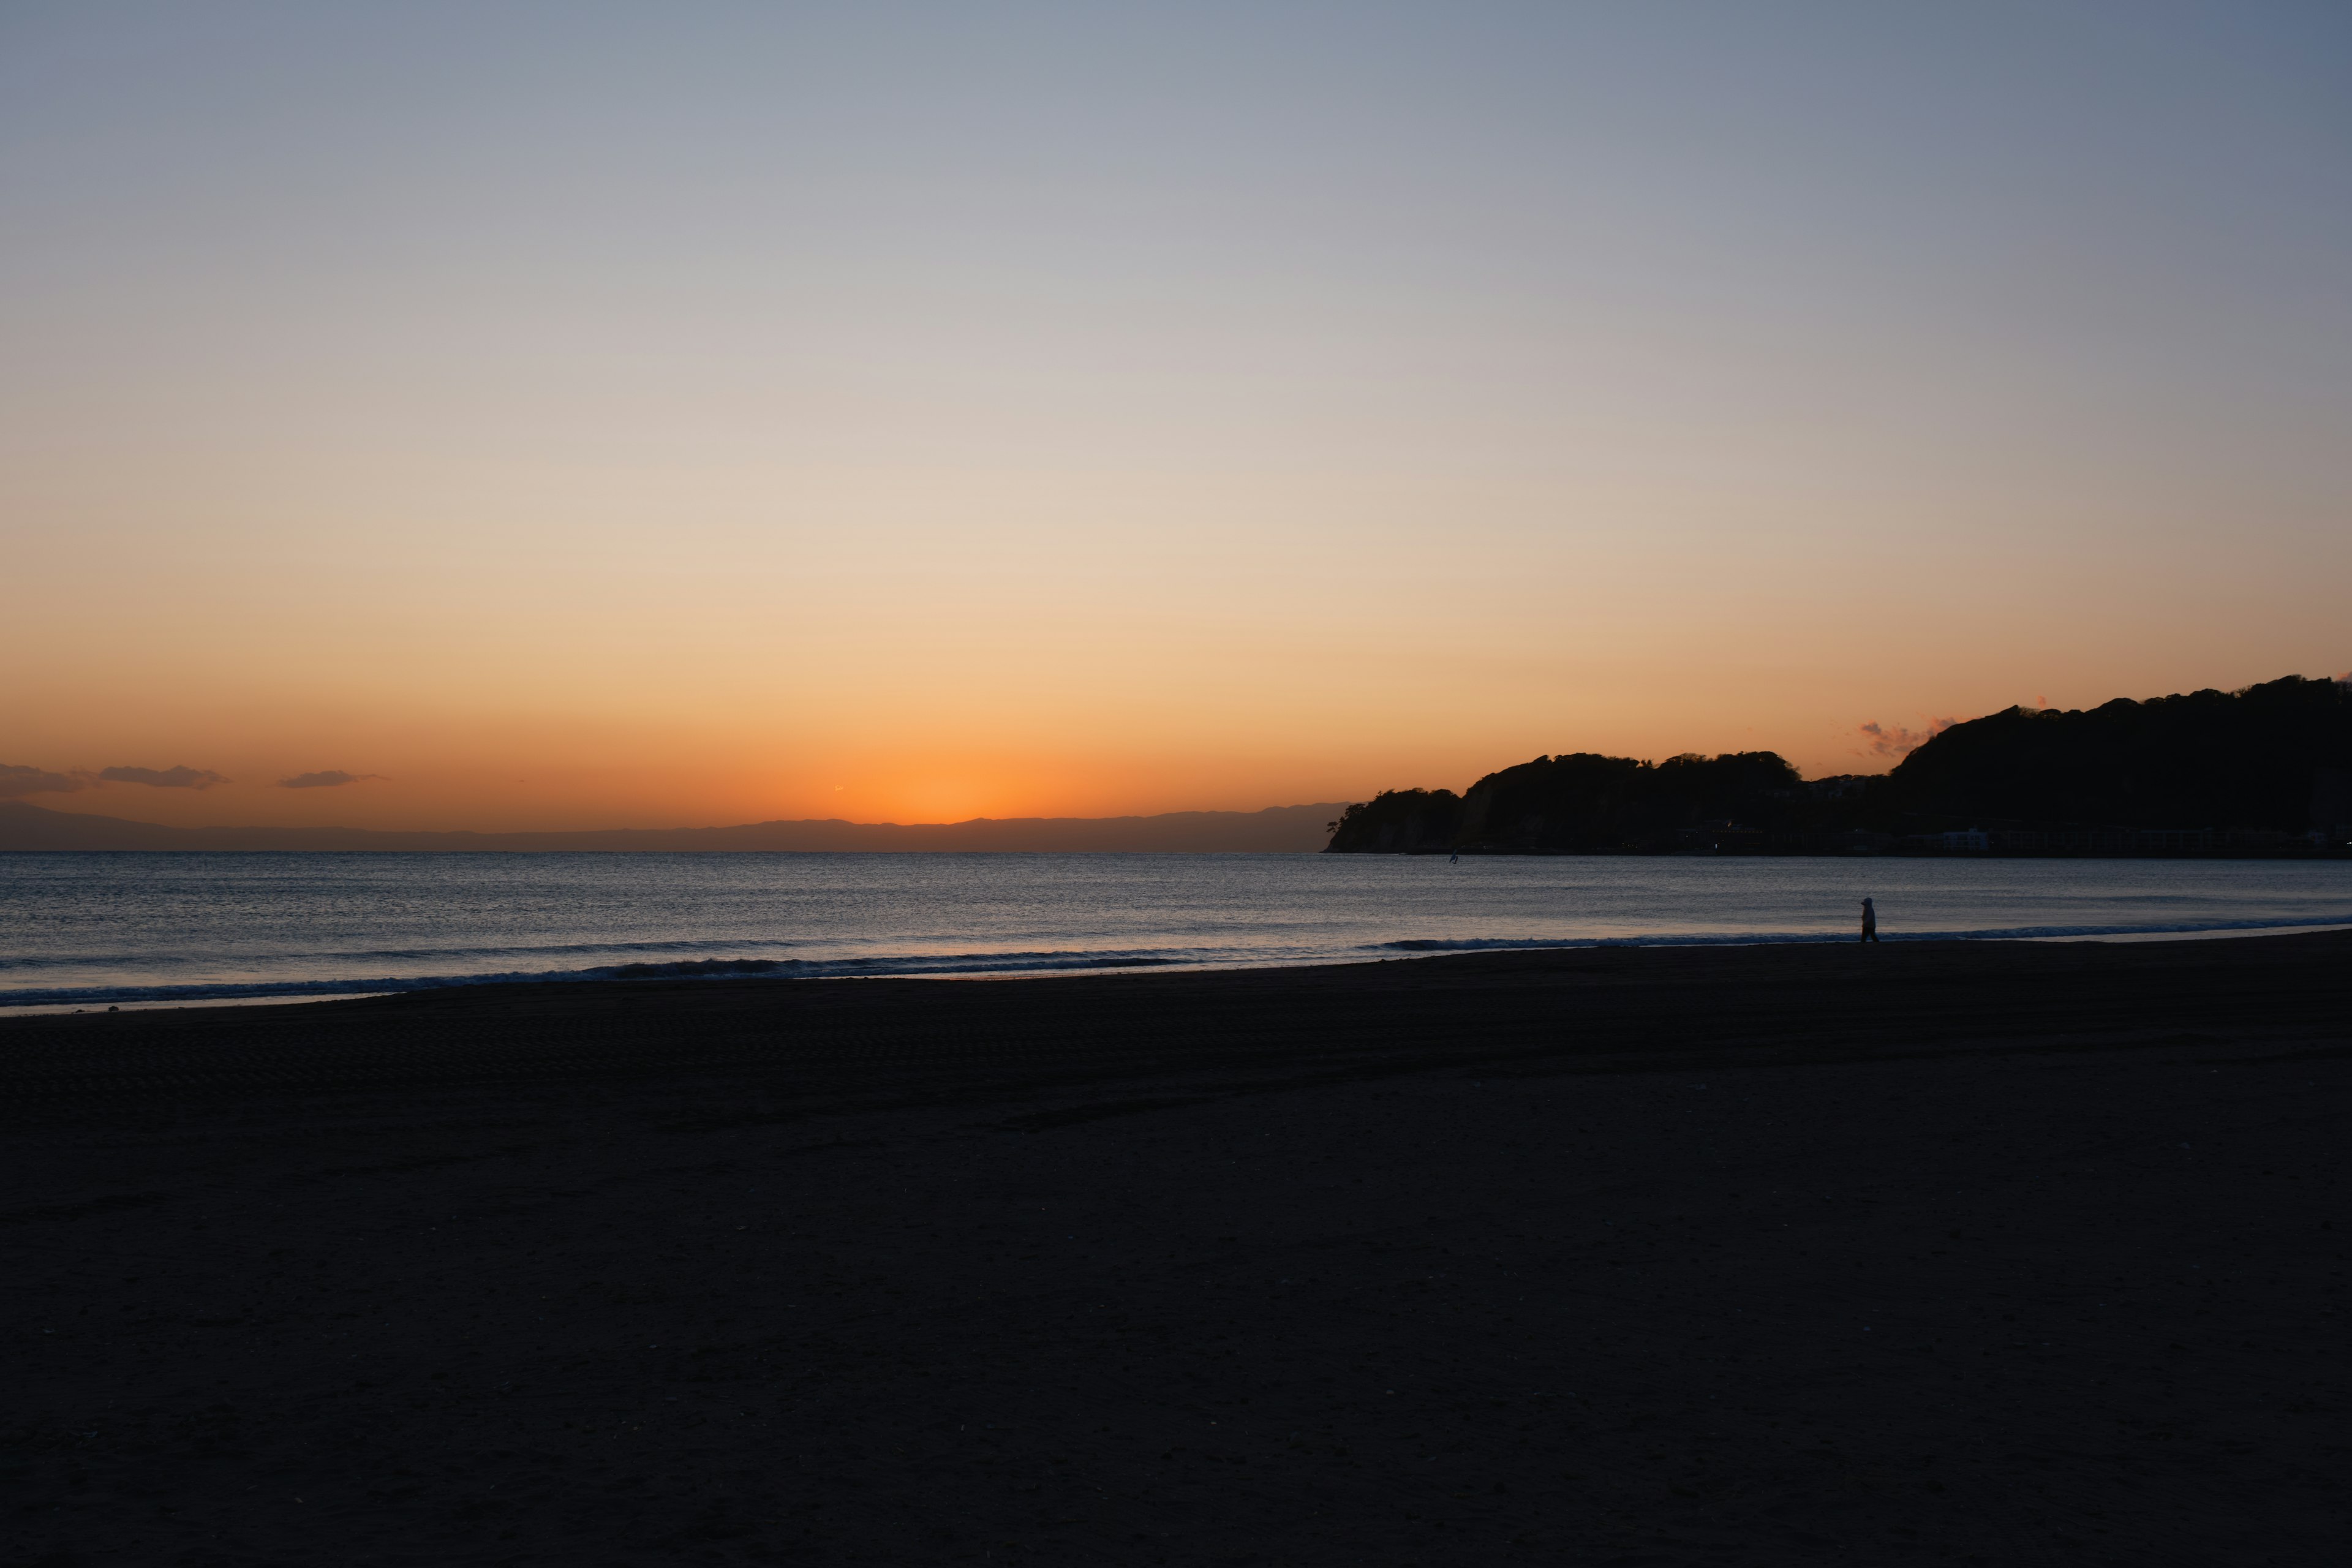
x,y
79,930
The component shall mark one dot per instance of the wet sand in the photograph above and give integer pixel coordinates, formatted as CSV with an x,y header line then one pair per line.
x,y
1923,1253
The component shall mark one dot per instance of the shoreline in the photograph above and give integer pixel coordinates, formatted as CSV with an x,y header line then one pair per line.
x,y
713,1019
237,994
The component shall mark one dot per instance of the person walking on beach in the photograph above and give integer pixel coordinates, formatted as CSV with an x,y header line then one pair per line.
x,y
1869,921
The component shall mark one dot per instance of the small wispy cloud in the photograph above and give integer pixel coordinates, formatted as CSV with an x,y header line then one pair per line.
x,y
17,780
182,777
1894,741
328,778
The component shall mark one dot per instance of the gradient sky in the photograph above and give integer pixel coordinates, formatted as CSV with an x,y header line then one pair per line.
x,y
589,415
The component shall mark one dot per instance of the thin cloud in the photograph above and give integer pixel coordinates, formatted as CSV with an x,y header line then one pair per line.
x,y
182,777
329,778
1894,741
17,780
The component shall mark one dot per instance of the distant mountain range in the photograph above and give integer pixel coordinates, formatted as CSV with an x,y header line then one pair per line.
x,y
1281,829
2268,769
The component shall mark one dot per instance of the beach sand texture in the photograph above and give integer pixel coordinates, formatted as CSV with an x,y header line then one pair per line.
x,y
1941,1252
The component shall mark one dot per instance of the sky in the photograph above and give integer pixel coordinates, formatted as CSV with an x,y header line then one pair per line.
x,y
506,416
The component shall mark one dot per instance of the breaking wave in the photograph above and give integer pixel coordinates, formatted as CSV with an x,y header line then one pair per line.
x,y
942,965
977,965
194,929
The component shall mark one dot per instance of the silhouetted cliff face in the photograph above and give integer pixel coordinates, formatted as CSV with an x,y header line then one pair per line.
x,y
1583,801
2276,756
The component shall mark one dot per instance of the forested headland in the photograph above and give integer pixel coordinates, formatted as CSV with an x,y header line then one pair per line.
x,y
2266,770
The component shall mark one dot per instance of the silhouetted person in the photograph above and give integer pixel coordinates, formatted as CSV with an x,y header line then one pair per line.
x,y
1869,921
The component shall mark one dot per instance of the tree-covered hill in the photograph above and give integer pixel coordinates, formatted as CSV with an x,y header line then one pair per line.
x,y
2274,758
1582,802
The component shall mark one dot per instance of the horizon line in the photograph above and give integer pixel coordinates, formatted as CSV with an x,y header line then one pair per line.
x,y
709,827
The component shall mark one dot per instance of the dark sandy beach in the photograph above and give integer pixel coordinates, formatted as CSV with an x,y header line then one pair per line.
x,y
1996,1253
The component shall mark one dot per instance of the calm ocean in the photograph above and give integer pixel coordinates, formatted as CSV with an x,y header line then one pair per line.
x,y
83,929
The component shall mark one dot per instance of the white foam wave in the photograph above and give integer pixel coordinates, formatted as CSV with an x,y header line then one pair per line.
x,y
914,964
1039,962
